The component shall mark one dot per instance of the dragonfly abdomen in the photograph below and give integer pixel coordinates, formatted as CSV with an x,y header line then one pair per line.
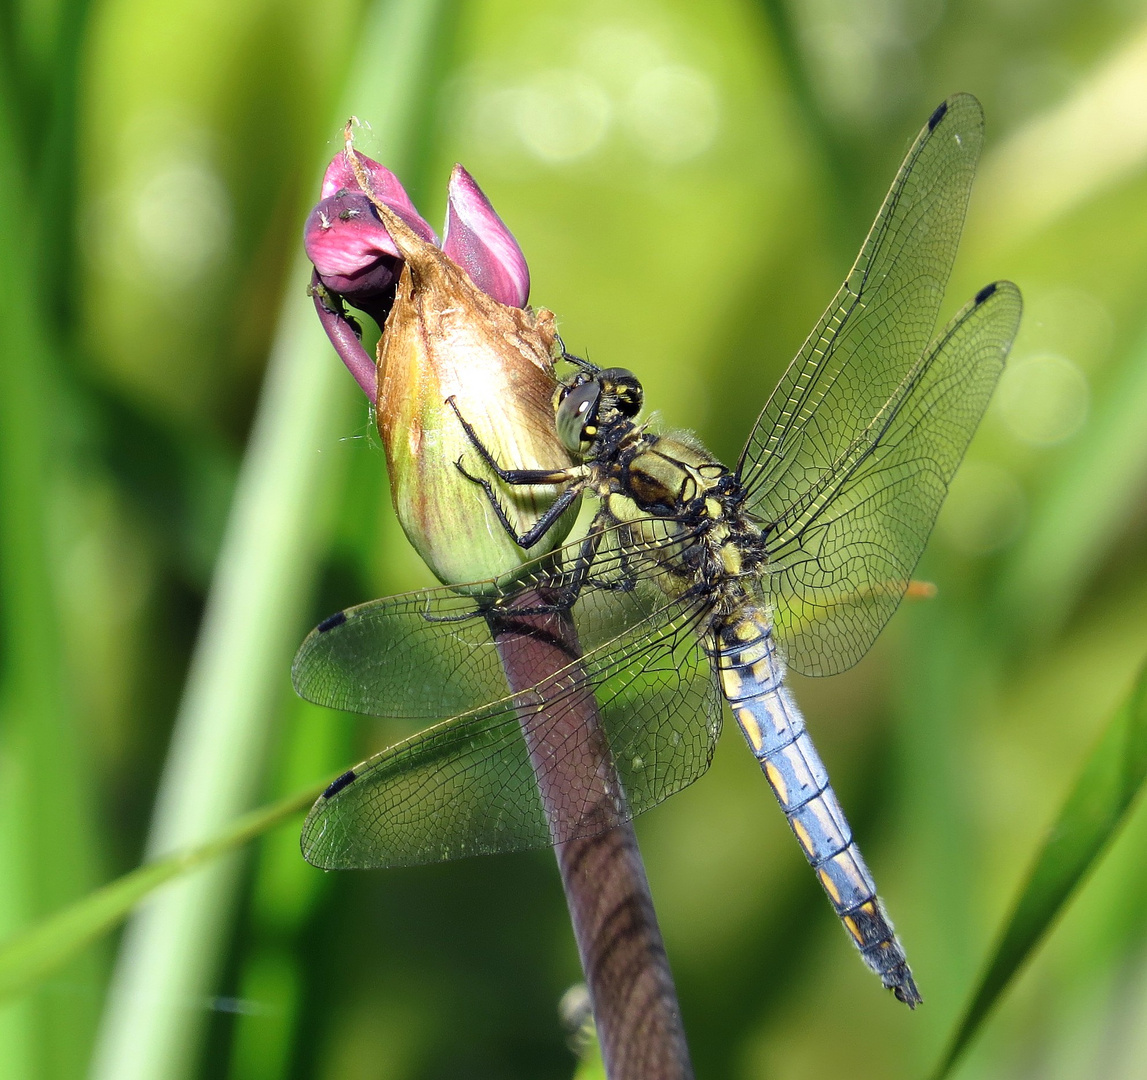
x,y
752,678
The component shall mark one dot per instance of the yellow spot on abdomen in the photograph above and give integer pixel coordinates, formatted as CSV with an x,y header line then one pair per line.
x,y
803,837
829,885
853,929
730,683
777,781
751,728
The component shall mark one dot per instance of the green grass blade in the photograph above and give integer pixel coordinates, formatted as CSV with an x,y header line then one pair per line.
x,y
171,951
43,741
1098,804
35,953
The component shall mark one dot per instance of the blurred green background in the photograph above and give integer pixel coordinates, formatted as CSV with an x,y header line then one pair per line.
x,y
689,183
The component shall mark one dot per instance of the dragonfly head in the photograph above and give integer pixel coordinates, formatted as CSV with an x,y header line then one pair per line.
x,y
594,401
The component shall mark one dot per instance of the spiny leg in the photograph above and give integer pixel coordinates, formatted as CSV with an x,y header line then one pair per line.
x,y
517,477
539,529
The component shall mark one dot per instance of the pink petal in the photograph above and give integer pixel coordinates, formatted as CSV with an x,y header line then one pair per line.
x,y
478,241
386,187
344,236
347,344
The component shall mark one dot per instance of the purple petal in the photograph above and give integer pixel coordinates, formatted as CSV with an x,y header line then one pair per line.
x,y
343,235
346,342
353,254
340,177
478,241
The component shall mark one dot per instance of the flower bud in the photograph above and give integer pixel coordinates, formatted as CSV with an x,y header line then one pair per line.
x,y
446,338
457,340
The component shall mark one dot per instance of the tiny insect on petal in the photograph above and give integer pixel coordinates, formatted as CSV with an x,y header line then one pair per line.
x,y
349,246
384,185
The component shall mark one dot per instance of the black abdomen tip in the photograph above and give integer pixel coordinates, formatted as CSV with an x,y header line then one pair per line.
x,y
985,292
329,623
338,784
938,115
905,989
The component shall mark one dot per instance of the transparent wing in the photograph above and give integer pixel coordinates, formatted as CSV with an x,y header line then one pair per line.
x,y
840,559
875,331
423,655
467,786
428,655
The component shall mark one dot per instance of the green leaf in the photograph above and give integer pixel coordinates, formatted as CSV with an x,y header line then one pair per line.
x,y
33,954
1098,804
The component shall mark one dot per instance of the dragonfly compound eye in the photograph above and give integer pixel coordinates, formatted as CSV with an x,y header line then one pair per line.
x,y
576,413
624,389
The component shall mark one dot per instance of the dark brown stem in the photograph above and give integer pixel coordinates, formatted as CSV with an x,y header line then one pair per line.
x,y
627,971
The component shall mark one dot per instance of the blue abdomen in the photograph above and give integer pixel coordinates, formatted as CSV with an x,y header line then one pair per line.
x,y
752,678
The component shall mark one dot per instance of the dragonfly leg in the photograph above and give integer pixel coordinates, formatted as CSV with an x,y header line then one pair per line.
x,y
539,529
625,582
513,476
580,572
577,361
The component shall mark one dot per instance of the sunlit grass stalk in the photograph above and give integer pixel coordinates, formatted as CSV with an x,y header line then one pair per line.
x,y
172,951
170,956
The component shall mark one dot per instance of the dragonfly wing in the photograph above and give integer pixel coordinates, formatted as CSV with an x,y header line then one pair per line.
x,y
463,787
840,559
427,655
422,655
656,691
467,786
875,331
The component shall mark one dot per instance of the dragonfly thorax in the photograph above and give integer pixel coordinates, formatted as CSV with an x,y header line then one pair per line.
x,y
682,511
681,506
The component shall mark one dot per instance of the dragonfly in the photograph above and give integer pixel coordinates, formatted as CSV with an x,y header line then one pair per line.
x,y
695,585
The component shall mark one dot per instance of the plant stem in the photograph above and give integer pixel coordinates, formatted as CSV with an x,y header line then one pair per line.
x,y
626,968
